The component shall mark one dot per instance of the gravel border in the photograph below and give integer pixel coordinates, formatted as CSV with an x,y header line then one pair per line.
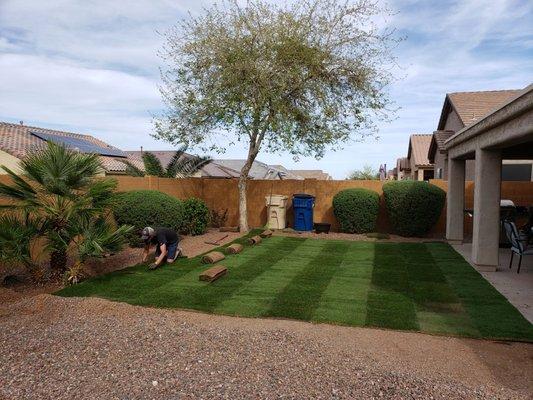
x,y
74,348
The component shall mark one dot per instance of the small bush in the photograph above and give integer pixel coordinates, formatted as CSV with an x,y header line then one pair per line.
x,y
413,207
142,208
195,216
356,210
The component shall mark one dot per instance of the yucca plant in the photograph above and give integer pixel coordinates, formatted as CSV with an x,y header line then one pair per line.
x,y
181,165
62,190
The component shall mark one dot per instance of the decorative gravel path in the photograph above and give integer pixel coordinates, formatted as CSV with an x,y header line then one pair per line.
x,y
73,348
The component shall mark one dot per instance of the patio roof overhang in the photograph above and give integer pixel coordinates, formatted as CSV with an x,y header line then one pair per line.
x,y
506,132
508,127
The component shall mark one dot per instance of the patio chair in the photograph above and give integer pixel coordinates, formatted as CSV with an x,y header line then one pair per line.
x,y
517,243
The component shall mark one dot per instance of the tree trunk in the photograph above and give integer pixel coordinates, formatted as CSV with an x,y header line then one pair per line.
x,y
243,217
58,261
243,210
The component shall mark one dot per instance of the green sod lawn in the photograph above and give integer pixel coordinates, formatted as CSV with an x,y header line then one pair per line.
x,y
424,287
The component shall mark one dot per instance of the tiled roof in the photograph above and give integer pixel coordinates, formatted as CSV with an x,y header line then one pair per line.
x,y
437,143
472,106
419,149
259,169
402,164
18,141
312,174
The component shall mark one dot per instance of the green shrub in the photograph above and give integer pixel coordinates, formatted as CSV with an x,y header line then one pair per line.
x,y
413,207
141,208
356,210
195,216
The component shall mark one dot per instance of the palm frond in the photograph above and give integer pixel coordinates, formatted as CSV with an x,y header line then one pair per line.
x,y
132,170
60,170
98,237
20,190
152,165
16,235
183,165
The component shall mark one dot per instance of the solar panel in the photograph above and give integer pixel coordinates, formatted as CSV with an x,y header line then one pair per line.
x,y
81,145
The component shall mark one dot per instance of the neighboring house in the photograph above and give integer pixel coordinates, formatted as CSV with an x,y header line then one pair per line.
x,y
259,169
317,174
18,140
463,109
437,154
224,168
403,169
417,155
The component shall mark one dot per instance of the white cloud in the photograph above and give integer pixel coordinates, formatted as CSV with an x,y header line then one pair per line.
x,y
91,66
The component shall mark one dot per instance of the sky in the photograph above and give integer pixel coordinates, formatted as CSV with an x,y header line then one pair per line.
x,y
92,67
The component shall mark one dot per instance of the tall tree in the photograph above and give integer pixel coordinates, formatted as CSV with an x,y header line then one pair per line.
x,y
366,173
298,78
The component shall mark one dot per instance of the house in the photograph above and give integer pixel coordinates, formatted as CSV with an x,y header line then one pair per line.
x,y
463,109
421,169
403,169
259,170
18,140
317,174
505,133
437,153
221,168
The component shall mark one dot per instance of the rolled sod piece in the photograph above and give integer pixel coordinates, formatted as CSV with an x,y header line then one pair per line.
x,y
213,257
254,240
234,248
213,273
266,234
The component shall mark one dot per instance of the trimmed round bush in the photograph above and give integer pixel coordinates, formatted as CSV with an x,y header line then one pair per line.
x,y
356,210
413,207
195,216
141,208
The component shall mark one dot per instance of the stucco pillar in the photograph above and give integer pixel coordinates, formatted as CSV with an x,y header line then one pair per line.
x,y
455,201
487,193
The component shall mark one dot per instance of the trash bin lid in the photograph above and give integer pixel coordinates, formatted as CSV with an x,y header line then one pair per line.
x,y
303,196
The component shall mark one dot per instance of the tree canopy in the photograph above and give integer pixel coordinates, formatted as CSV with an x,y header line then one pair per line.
x,y
298,77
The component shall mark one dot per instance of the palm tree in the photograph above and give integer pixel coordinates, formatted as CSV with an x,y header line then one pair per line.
x,y
181,165
62,190
17,234
93,238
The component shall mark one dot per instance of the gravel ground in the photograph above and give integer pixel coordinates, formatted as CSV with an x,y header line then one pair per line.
x,y
72,348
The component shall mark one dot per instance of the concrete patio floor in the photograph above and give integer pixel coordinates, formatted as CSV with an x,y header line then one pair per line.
x,y
517,288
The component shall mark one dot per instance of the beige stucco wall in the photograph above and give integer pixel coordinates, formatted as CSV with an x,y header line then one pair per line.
x,y
440,163
453,122
9,161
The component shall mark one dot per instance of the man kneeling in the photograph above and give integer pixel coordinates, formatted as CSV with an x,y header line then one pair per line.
x,y
166,241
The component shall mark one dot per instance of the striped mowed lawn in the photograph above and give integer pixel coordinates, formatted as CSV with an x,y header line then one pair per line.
x,y
425,287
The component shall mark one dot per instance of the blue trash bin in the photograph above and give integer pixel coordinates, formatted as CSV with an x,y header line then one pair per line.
x,y
302,205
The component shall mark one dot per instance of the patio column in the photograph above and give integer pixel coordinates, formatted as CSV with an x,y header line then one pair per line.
x,y
487,193
455,201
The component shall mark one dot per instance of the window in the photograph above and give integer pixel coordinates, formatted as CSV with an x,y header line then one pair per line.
x,y
439,173
516,172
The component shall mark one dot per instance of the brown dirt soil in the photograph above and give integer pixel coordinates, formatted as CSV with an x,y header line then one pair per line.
x,y
191,245
67,348
350,236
